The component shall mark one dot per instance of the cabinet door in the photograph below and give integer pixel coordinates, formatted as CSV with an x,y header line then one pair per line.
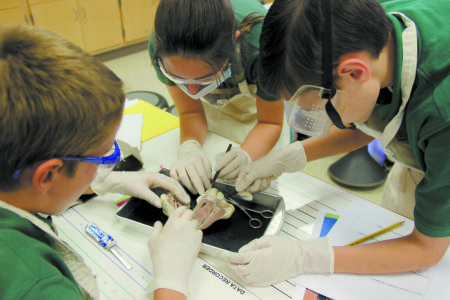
x,y
101,24
13,12
60,16
138,18
13,16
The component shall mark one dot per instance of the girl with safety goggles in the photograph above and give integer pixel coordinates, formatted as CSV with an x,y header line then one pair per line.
x,y
206,54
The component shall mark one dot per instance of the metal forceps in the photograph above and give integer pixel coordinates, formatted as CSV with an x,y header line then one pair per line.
x,y
253,222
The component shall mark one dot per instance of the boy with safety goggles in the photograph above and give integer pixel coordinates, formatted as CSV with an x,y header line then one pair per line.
x,y
382,71
61,109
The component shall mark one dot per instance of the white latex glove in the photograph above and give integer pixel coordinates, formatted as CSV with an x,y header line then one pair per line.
x,y
229,163
192,168
173,249
138,184
272,259
258,175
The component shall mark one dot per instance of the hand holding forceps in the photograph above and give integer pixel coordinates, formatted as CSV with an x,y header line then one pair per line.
x,y
253,222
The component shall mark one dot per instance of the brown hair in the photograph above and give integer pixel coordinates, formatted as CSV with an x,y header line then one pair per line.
x,y
55,99
291,39
199,29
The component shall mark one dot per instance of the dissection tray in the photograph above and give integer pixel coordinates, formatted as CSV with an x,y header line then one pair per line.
x,y
224,235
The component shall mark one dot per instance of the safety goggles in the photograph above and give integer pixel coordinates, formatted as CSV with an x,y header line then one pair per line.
x,y
309,111
313,109
206,80
106,163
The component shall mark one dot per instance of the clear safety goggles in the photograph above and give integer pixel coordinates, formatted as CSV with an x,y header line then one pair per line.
x,y
106,163
311,108
206,80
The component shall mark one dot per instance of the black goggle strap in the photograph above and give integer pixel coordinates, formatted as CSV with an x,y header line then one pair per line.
x,y
327,65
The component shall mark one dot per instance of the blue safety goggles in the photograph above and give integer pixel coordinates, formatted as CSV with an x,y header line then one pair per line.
x,y
106,163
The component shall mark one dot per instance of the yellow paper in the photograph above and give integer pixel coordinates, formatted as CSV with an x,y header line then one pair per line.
x,y
156,120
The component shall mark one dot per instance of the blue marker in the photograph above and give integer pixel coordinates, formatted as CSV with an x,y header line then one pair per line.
x,y
107,242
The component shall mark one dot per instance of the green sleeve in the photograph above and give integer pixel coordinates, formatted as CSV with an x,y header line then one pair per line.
x,y
432,210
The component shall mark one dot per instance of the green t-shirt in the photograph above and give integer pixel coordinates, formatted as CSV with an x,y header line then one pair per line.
x,y
249,47
427,115
29,267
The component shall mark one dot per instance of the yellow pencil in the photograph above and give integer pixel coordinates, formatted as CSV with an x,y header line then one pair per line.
x,y
377,233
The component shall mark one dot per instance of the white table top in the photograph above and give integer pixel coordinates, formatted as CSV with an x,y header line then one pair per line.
x,y
210,276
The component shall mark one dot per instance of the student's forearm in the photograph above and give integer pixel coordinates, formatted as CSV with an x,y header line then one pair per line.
x,y
166,294
413,252
336,142
193,127
261,140
193,124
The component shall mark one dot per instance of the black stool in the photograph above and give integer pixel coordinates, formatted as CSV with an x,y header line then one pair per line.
x,y
358,169
150,97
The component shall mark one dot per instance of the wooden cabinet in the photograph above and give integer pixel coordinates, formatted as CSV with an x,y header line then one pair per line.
x,y
101,24
93,25
13,12
60,16
138,17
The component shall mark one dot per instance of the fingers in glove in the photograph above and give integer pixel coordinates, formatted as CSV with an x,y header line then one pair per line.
x,y
261,243
182,176
259,185
246,196
157,227
223,159
175,188
199,183
149,196
231,174
178,213
245,179
188,215
237,258
227,163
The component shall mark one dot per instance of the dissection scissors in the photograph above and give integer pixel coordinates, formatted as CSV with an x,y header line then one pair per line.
x,y
253,222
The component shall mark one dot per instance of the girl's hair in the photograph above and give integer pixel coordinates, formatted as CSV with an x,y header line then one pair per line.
x,y
291,39
55,99
199,29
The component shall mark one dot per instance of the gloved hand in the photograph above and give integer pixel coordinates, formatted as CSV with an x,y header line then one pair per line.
x,y
173,249
258,175
272,259
192,168
138,184
229,163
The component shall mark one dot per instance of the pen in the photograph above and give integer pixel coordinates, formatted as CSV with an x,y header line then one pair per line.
x,y
377,233
217,173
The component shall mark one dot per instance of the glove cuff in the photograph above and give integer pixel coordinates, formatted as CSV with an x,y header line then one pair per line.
x,y
318,256
249,159
294,157
188,147
167,283
105,186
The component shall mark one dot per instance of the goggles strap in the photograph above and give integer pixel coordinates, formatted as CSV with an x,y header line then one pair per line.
x,y
335,117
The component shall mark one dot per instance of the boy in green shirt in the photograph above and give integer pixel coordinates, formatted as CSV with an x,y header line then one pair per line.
x,y
385,69
61,109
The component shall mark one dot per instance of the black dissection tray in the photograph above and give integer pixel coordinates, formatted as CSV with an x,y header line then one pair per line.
x,y
227,234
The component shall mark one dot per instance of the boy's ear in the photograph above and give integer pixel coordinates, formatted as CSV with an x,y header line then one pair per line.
x,y
355,68
45,174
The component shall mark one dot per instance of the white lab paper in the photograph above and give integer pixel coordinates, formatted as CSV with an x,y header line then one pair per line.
x,y
361,219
